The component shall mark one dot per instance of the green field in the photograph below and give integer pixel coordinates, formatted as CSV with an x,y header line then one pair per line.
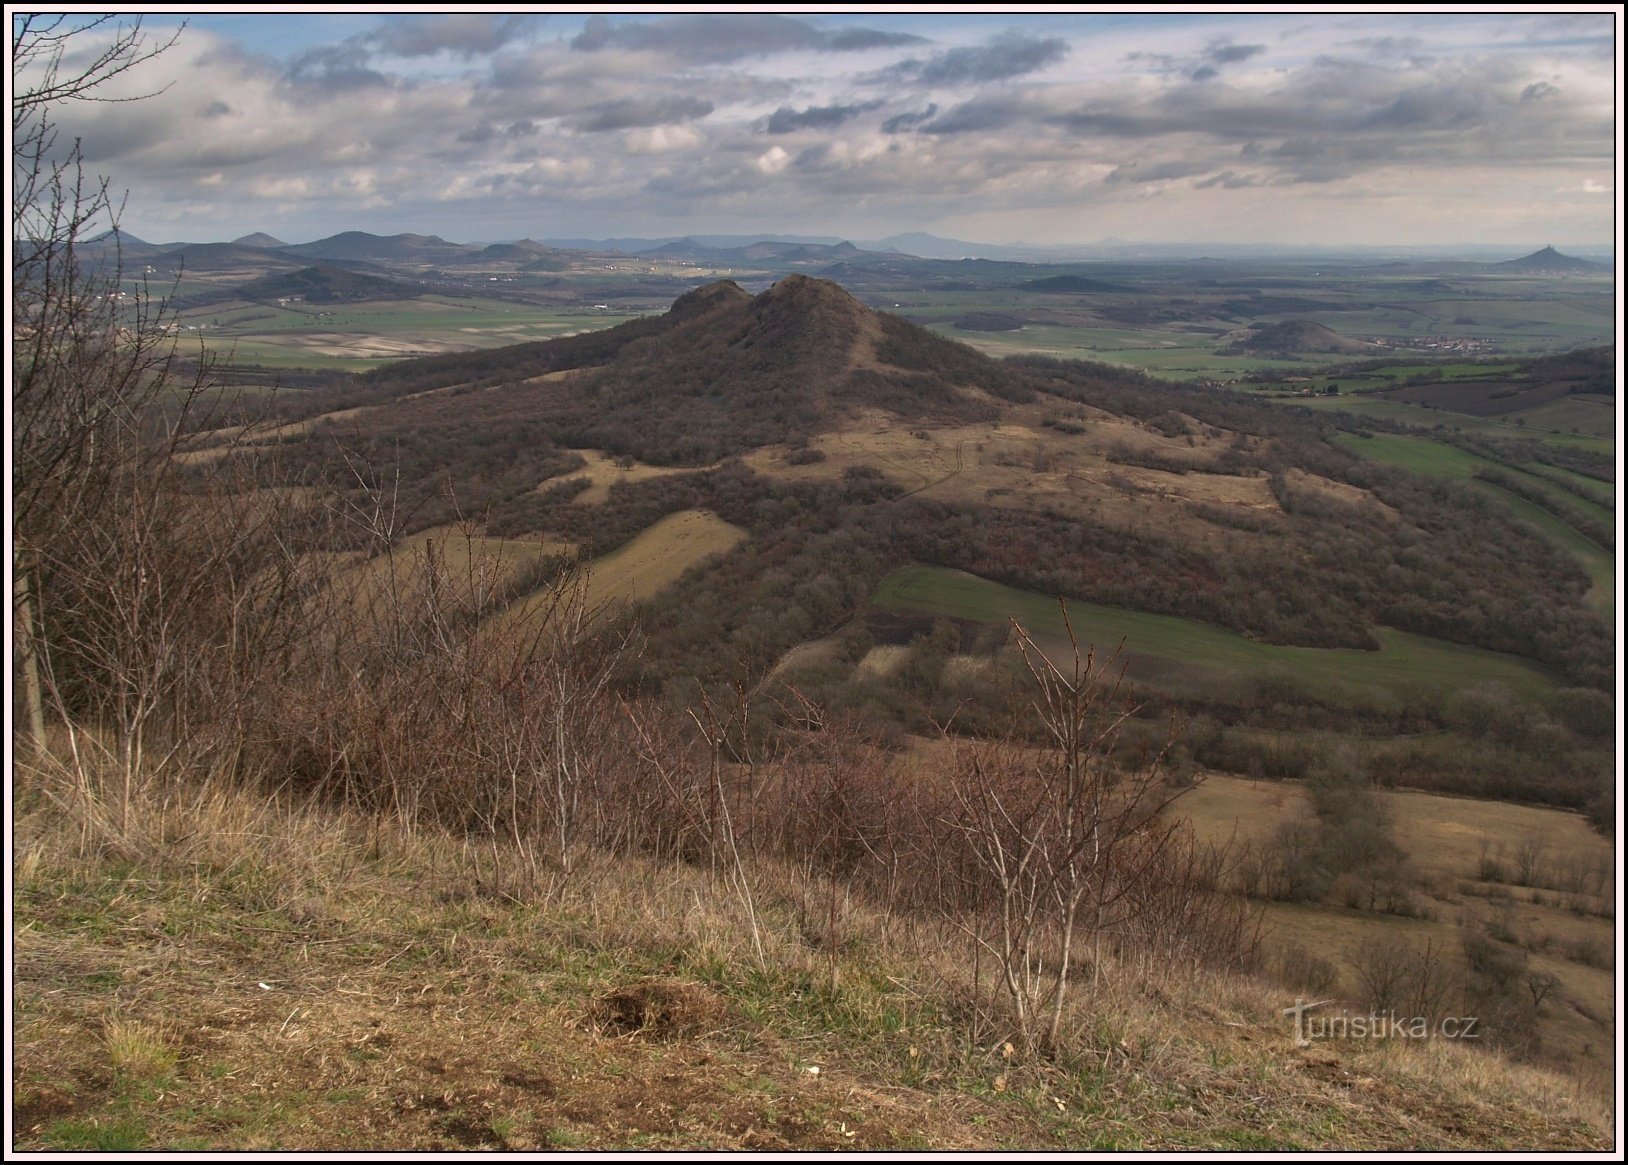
x,y
1590,437
1165,644
359,336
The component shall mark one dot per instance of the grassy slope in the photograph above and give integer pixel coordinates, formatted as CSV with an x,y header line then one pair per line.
x,y
234,976
1404,658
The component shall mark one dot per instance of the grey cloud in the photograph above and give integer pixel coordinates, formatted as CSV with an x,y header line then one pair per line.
x,y
906,120
1227,54
999,60
486,131
1229,180
216,109
788,120
973,116
637,113
1205,73
860,39
465,34
1159,172
717,37
1538,90
1434,107
334,69
1388,46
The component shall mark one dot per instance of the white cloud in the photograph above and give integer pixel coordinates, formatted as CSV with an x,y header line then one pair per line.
x,y
661,139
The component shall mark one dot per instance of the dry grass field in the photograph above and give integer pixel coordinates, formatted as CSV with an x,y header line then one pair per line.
x,y
1563,918
1023,463
654,558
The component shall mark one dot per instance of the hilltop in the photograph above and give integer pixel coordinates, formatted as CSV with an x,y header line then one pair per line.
x,y
1303,336
1549,261
724,372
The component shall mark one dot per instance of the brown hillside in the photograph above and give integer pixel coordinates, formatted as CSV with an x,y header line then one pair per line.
x,y
722,373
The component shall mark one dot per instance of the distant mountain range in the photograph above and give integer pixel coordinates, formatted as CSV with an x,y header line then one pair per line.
x,y
922,255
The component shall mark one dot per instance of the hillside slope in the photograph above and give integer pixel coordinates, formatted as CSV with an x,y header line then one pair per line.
x,y
278,979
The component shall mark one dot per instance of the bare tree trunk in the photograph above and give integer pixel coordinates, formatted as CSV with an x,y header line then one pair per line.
x,y
25,631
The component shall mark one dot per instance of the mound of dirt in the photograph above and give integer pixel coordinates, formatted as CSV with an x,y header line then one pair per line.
x,y
666,1009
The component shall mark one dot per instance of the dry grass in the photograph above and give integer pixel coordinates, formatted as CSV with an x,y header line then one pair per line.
x,y
239,974
656,557
603,471
1021,463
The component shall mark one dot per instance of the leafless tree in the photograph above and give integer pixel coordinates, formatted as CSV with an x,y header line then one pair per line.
x,y
1061,837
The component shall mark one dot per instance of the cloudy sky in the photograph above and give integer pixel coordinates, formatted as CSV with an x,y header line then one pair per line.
x,y
1047,128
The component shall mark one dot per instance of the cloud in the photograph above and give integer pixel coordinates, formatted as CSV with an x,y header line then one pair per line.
x,y
724,37
853,40
661,139
976,116
1437,106
905,121
1229,180
335,68
1011,55
465,34
1158,172
1539,90
788,120
1227,54
638,113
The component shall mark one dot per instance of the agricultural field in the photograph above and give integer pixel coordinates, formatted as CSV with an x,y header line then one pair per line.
x,y
1585,425
359,336
640,569
1166,650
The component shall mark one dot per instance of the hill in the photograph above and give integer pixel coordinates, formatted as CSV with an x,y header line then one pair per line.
x,y
402,248
199,258
323,284
1302,336
724,372
259,239
1549,261
523,251
1056,477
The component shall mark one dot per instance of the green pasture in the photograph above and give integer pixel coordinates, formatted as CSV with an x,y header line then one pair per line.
x,y
1408,414
1595,416
1162,644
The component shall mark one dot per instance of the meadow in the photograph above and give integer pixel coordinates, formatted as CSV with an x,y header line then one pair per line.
x,y
1170,647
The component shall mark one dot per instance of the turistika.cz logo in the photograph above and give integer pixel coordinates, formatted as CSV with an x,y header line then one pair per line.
x,y
1377,1025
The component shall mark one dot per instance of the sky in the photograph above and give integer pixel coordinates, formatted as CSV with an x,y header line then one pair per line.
x,y
1335,127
